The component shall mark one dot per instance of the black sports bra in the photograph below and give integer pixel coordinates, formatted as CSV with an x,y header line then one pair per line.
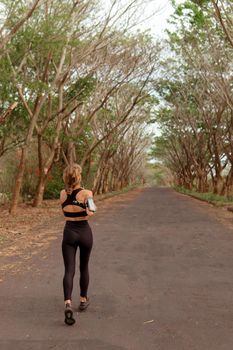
x,y
71,200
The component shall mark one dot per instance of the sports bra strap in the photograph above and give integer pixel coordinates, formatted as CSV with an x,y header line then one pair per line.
x,y
75,192
71,199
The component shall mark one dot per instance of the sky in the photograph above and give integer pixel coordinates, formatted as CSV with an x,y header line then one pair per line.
x,y
161,10
154,12
158,23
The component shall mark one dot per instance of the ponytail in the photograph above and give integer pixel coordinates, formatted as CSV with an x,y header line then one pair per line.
x,y
72,177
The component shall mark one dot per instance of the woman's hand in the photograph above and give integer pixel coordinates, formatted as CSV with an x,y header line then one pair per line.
x,y
90,213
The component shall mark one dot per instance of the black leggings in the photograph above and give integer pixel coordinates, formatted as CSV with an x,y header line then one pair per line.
x,y
76,234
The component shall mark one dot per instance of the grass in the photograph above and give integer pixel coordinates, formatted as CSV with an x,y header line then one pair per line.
x,y
209,197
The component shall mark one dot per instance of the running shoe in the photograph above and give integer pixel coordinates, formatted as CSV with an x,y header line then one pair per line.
x,y
69,315
84,304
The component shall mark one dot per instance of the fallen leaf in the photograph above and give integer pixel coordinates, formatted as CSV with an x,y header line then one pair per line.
x,y
150,321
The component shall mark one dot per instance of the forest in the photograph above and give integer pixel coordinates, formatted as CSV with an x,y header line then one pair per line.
x,y
79,82
196,90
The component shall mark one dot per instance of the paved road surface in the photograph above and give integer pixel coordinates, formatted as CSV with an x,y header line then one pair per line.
x,y
161,279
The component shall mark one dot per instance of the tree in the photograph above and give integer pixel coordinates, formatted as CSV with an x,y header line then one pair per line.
x,y
197,91
7,32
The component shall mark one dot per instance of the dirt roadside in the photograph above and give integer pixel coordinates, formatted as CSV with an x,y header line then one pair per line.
x,y
221,213
29,219
31,230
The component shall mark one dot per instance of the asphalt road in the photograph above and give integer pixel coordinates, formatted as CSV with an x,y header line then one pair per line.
x,y
161,279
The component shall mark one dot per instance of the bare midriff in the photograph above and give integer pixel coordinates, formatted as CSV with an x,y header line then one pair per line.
x,y
77,219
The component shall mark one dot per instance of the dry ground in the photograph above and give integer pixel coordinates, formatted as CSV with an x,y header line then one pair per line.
x,y
31,230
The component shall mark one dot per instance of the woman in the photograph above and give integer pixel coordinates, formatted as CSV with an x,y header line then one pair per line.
x,y
77,233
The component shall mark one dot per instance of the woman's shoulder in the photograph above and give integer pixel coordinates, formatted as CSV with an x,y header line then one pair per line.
x,y
63,192
87,192
63,195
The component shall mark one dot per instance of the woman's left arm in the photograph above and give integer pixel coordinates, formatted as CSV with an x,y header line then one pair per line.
x,y
89,194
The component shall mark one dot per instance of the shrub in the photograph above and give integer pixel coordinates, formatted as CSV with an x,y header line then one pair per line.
x,y
54,184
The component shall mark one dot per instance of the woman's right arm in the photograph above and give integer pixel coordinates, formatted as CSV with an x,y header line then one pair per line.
x,y
63,196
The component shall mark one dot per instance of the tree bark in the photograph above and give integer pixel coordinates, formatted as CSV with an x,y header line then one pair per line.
x,y
23,159
219,16
40,191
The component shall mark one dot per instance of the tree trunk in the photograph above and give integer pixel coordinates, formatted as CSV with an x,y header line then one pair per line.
x,y
88,171
71,154
24,154
217,184
19,179
229,183
43,175
46,166
202,184
40,191
39,188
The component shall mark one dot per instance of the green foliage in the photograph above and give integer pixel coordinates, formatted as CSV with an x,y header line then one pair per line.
x,y
62,57
54,184
190,9
193,11
53,190
82,87
29,184
207,197
158,150
192,113
8,168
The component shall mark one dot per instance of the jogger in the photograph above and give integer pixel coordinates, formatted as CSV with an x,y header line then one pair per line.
x,y
77,205
76,234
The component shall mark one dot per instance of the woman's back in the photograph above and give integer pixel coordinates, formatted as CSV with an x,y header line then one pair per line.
x,y
74,204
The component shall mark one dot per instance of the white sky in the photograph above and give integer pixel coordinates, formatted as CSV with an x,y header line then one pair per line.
x,y
158,23
154,12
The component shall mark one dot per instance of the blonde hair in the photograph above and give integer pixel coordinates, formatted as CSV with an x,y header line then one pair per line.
x,y
72,177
